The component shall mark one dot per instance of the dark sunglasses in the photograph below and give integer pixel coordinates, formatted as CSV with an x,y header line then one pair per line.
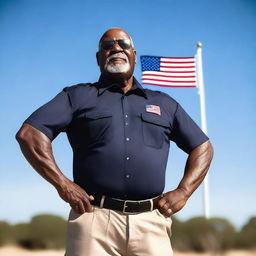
x,y
123,43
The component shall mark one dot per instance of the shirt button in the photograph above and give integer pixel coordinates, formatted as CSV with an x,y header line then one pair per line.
x,y
126,123
127,139
127,158
127,176
126,116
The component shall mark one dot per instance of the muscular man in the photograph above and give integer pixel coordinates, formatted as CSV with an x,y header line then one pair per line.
x,y
120,135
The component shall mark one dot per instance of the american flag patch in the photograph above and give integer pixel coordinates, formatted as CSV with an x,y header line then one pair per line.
x,y
153,109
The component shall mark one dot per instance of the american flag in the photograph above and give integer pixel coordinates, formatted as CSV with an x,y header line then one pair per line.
x,y
153,109
169,71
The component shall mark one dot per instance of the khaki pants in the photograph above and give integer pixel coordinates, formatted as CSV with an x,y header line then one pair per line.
x,y
106,232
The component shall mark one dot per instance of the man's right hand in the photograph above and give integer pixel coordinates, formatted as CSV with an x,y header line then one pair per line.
x,y
73,194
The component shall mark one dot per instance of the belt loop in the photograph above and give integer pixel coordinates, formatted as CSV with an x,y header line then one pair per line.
x,y
151,205
102,201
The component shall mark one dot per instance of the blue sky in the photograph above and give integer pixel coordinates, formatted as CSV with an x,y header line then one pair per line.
x,y
47,45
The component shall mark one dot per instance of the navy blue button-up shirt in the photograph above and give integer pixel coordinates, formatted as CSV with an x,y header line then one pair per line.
x,y
120,140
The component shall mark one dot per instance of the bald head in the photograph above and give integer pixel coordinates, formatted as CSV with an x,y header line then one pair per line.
x,y
115,30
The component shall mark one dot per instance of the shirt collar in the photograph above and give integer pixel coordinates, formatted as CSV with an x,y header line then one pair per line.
x,y
105,84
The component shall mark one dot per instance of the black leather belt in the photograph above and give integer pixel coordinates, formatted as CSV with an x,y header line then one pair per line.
x,y
125,206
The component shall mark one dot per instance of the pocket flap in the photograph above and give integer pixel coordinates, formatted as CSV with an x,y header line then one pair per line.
x,y
155,119
97,115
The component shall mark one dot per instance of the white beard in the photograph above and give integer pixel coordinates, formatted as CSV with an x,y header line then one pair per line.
x,y
117,67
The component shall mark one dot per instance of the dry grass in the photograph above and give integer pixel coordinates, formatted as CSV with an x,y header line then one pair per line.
x,y
229,253
15,251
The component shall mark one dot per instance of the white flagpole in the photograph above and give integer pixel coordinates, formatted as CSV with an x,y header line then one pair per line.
x,y
200,82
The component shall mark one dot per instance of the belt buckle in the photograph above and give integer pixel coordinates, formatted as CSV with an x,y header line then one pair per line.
x,y
125,206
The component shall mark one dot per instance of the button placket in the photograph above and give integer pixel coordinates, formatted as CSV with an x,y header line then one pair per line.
x,y
126,117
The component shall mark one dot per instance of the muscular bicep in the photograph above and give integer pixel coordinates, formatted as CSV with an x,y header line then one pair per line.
x,y
34,144
37,149
32,137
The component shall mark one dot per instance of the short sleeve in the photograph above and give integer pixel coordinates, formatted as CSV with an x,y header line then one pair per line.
x,y
185,132
53,117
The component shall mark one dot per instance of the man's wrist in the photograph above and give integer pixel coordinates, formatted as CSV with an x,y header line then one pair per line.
x,y
61,184
186,192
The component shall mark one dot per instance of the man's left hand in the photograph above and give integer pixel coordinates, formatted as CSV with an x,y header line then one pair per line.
x,y
173,201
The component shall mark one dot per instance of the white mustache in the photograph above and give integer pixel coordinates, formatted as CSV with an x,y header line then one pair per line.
x,y
117,55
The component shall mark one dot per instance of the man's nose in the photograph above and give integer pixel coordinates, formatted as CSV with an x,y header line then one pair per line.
x,y
116,47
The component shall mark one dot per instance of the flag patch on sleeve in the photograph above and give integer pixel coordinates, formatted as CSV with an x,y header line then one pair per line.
x,y
153,109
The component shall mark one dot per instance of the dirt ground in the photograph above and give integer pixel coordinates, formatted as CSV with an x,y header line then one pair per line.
x,y
15,251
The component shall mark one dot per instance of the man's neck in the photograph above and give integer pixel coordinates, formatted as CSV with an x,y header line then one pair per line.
x,y
125,84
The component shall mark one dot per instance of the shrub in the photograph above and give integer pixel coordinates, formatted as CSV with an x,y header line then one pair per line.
x,y
179,237
201,234
22,234
224,232
43,232
5,233
246,238
48,231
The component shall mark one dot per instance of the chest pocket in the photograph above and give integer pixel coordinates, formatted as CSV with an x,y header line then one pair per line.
x,y
155,130
98,124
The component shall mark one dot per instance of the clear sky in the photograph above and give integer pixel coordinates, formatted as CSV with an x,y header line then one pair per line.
x,y
47,45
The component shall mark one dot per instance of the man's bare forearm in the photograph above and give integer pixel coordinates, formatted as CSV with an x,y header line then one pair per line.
x,y
196,168
37,149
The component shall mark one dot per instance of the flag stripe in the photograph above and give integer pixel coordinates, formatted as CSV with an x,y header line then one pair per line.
x,y
175,72
162,73
178,62
180,69
169,78
156,75
177,58
172,72
168,85
169,81
174,66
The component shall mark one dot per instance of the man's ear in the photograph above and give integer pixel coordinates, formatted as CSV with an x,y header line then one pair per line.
x,y
97,58
135,53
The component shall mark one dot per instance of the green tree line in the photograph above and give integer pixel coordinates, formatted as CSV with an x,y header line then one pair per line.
x,y
196,234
